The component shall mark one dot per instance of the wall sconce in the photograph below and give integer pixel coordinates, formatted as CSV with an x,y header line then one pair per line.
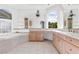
x,y
71,14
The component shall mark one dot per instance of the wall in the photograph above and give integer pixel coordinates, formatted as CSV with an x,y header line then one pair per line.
x,y
63,13
20,14
75,9
76,19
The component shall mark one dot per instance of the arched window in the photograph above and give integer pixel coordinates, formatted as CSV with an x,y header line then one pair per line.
x,y
52,19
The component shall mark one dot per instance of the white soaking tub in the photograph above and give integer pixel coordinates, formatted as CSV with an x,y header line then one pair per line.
x,y
9,41
9,35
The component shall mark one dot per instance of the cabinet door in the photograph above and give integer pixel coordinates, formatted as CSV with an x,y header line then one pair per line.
x,y
55,40
39,36
60,46
36,36
72,40
58,42
65,47
70,48
32,36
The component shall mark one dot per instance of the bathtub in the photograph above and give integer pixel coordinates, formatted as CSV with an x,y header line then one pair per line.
x,y
9,35
9,41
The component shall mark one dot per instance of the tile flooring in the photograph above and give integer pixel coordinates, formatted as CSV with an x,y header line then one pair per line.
x,y
34,48
45,47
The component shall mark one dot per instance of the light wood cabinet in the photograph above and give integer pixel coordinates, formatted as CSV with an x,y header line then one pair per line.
x,y
65,44
36,36
72,41
32,36
58,42
70,49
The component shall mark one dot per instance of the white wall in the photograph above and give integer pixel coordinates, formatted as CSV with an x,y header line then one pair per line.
x,y
20,14
36,20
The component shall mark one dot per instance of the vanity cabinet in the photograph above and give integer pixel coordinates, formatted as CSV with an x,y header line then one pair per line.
x,y
70,48
58,42
65,44
32,36
35,36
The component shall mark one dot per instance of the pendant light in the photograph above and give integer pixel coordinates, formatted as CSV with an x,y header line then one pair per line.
x,y
37,13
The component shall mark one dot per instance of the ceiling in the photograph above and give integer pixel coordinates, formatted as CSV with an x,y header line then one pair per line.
x,y
9,7
36,6
26,6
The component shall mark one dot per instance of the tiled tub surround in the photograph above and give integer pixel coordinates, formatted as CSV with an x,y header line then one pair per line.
x,y
10,41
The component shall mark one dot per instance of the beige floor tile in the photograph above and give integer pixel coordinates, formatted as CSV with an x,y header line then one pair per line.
x,y
34,48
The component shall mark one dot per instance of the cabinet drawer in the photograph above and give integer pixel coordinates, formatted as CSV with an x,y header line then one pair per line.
x,y
76,42
60,35
66,44
72,41
70,49
68,39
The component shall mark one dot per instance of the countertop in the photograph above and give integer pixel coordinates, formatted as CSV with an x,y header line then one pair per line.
x,y
70,34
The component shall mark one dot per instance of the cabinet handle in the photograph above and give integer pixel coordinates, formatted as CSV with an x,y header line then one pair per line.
x,y
70,49
70,40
